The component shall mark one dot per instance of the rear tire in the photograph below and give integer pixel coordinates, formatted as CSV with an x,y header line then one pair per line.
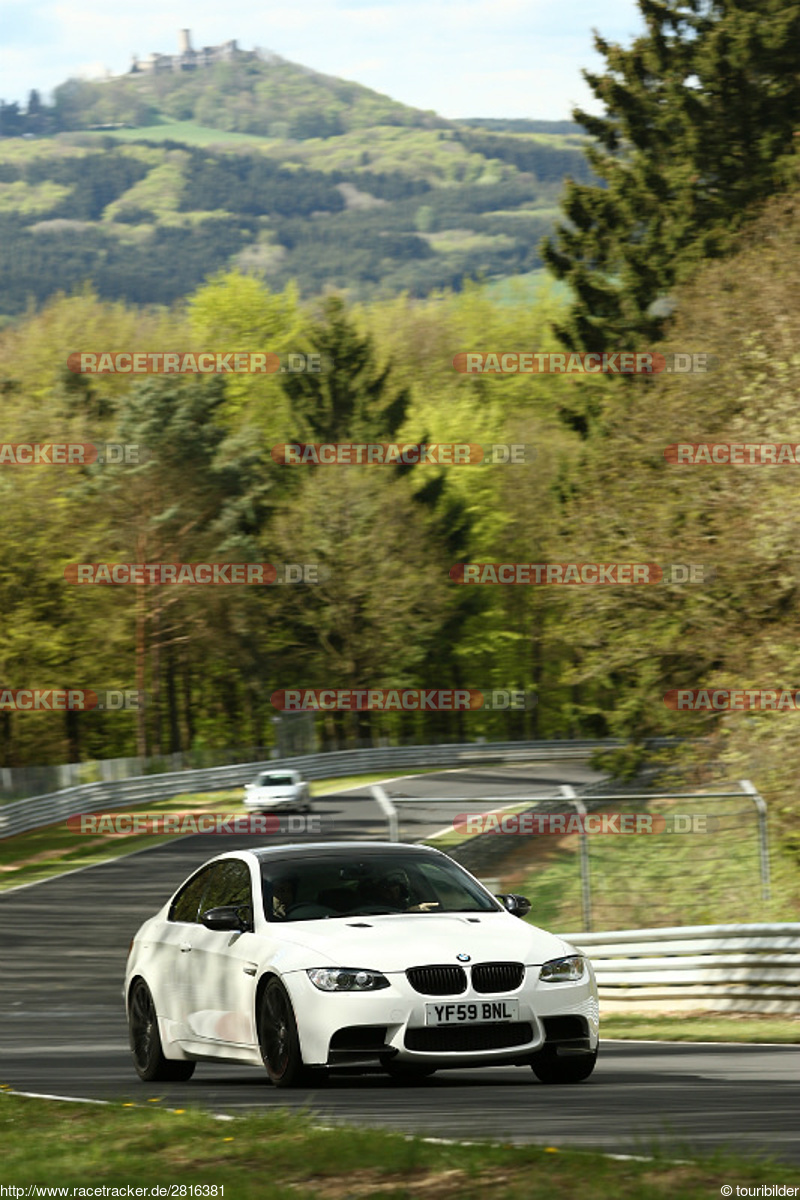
x,y
278,1037
549,1068
148,1055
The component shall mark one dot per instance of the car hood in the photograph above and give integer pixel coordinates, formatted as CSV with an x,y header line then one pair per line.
x,y
394,943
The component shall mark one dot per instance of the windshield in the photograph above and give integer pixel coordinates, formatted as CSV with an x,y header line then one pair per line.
x,y
314,889
275,781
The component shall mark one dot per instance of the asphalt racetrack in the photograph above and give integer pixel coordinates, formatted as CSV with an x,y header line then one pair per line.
x,y
63,945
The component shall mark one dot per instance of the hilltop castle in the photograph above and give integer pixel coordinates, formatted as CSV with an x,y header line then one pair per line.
x,y
188,59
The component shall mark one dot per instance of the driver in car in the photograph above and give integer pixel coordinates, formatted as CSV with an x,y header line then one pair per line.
x,y
284,892
394,890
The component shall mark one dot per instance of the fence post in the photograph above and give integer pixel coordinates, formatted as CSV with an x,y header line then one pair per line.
x,y
388,810
568,792
763,842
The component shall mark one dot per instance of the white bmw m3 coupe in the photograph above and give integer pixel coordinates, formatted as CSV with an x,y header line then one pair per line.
x,y
353,954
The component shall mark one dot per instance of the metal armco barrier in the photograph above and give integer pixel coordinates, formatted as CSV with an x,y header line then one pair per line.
x,y
35,811
734,968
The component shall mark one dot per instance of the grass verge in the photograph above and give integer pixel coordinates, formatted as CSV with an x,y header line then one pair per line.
x,y
275,1155
700,1027
633,879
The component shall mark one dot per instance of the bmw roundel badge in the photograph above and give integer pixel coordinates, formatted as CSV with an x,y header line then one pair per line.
x,y
463,957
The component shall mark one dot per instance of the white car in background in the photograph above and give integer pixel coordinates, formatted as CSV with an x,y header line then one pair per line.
x,y
369,955
277,789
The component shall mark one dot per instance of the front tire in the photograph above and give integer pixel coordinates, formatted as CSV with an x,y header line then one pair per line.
x,y
278,1037
148,1055
549,1068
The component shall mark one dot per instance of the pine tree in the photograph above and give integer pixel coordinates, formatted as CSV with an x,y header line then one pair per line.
x,y
701,112
352,396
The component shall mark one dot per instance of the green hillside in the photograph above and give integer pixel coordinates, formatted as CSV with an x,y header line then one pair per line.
x,y
146,184
189,133
272,98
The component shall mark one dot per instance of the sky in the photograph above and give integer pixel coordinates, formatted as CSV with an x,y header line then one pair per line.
x,y
462,58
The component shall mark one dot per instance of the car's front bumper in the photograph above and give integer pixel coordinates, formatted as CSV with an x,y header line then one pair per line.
x,y
264,803
390,1023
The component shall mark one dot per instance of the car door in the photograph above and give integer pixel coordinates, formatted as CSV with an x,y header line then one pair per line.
x,y
222,964
169,953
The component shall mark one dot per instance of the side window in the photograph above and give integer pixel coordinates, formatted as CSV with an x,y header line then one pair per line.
x,y
186,903
229,884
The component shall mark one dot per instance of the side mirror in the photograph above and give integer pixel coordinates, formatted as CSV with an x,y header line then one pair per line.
x,y
518,906
226,917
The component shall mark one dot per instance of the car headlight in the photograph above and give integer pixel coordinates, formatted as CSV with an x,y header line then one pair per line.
x,y
346,979
563,970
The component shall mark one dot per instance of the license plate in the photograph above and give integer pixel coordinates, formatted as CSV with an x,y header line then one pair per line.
x,y
472,1012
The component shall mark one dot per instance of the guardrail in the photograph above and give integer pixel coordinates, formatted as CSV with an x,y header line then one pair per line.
x,y
733,968
35,811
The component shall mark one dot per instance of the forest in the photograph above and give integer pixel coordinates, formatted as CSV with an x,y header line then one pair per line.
x,y
683,237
